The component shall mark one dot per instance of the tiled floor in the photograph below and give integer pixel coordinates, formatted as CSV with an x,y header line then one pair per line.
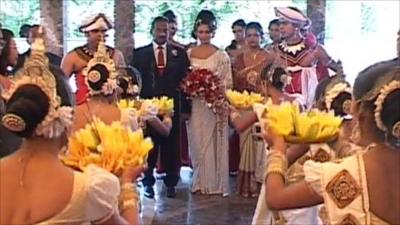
x,y
188,208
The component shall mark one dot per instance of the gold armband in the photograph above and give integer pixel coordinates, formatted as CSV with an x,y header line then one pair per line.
x,y
276,164
129,197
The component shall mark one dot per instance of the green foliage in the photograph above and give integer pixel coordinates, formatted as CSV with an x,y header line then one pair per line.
x,y
368,17
15,13
80,9
186,10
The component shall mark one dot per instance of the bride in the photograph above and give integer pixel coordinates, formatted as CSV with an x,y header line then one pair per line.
x,y
208,132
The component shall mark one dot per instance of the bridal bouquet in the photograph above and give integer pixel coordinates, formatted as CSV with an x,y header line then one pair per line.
x,y
204,84
111,147
307,127
243,100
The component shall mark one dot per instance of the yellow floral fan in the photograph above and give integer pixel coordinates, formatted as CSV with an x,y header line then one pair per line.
x,y
243,100
165,105
111,147
308,127
128,104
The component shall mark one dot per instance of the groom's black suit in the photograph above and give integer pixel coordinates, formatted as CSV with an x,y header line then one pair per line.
x,y
166,83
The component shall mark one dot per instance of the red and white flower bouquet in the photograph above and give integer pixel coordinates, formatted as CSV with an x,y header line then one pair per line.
x,y
204,84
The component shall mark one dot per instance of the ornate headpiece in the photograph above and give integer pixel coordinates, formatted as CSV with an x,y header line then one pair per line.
x,y
97,21
337,86
101,57
133,88
293,16
385,91
285,78
383,87
36,72
213,23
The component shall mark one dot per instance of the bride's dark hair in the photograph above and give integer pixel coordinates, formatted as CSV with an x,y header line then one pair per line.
x,y
205,17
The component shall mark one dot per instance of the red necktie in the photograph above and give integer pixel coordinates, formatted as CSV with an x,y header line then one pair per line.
x,y
160,60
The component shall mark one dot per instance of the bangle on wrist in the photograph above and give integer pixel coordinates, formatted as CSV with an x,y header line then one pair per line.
x,y
129,197
277,163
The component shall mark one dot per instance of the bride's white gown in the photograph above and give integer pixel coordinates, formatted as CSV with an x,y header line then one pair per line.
x,y
208,133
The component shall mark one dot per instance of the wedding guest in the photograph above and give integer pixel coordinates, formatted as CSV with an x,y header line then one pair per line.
x,y
163,66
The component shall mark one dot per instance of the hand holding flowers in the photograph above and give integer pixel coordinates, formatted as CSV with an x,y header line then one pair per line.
x,y
204,84
111,147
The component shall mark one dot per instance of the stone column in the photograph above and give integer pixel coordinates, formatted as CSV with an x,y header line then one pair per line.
x,y
51,12
124,26
316,12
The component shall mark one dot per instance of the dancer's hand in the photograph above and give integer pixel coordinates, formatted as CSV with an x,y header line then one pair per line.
x,y
131,173
276,141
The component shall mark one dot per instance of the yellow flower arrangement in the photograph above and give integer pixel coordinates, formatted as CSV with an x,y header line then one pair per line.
x,y
111,147
243,100
165,105
126,104
281,118
307,127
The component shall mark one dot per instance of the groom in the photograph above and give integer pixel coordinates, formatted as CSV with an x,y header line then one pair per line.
x,y
162,67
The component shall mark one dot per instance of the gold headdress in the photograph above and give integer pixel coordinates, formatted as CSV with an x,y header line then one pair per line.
x,y
36,72
101,57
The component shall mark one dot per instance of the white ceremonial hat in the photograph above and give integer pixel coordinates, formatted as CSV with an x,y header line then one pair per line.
x,y
293,16
97,21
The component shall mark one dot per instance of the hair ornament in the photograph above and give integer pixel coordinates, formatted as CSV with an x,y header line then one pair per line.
x,y
109,87
133,89
286,79
103,58
385,91
134,82
13,122
212,24
198,22
94,76
36,72
334,91
346,107
396,130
